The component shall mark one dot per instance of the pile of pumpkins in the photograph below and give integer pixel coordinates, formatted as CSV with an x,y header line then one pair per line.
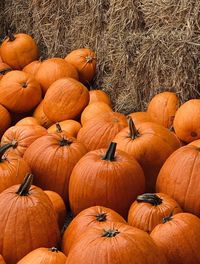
x,y
131,182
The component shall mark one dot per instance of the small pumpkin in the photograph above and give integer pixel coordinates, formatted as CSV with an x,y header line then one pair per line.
x,y
18,50
99,96
149,209
44,256
5,120
140,117
178,238
85,62
90,217
16,89
4,68
42,119
70,126
29,120
65,99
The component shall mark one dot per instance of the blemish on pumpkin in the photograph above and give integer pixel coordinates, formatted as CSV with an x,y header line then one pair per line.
x,y
193,134
115,120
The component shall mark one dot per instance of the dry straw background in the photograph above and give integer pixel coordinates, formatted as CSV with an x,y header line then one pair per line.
x,y
143,46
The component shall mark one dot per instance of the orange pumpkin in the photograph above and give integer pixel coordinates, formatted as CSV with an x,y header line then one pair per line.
x,y
149,209
16,90
59,207
18,50
99,96
26,213
4,68
140,117
32,67
44,256
65,99
90,217
85,62
2,260
42,119
70,126
162,108
24,136
27,121
5,120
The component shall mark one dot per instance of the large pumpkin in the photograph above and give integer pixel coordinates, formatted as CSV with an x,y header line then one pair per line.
x,y
4,68
44,256
85,62
18,50
65,99
5,120
70,126
107,178
52,158
115,243
42,119
99,96
149,209
186,122
19,91
162,108
27,221
24,137
150,144
178,238
101,130
179,178
90,217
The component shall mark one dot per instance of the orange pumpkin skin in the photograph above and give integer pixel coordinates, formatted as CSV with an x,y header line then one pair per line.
x,y
115,243
2,260
179,178
42,119
53,69
85,62
59,207
140,117
16,89
150,144
44,256
19,50
32,67
99,96
61,155
162,108
65,99
70,126
186,122
195,143
100,131
5,120
28,210
29,120
178,237
24,137
90,217
120,179
93,110
149,209
4,68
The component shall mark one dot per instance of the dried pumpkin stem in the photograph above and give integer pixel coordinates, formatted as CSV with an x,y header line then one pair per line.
x,y
53,249
168,218
65,142
101,217
110,154
6,147
4,71
25,186
149,198
110,233
11,36
58,128
133,130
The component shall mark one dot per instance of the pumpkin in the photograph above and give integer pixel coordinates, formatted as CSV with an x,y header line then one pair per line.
x,y
100,131
24,136
115,243
5,120
61,155
93,110
162,108
53,69
29,120
178,238
90,217
99,96
4,68
120,179
186,122
44,256
2,260
85,62
18,50
65,99
16,89
13,168
149,209
27,222
32,67
179,178
70,126
150,144
59,207
42,119
140,117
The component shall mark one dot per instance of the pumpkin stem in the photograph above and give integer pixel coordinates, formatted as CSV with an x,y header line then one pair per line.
x,y
110,233
168,218
58,128
11,36
149,198
133,130
110,154
5,147
25,185
53,249
101,217
4,71
65,142
89,59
